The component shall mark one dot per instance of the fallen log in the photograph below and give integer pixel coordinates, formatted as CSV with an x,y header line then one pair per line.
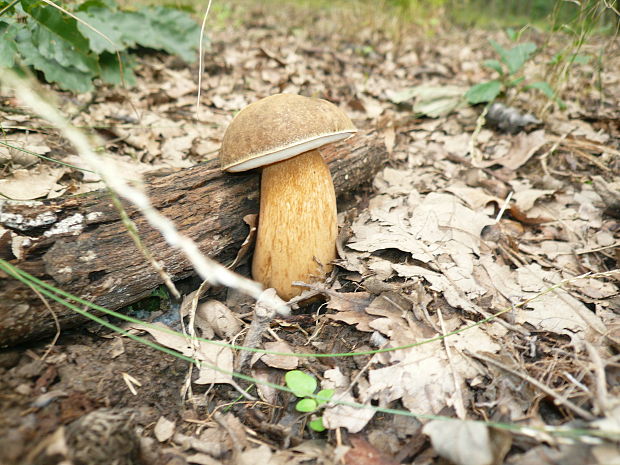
x,y
80,245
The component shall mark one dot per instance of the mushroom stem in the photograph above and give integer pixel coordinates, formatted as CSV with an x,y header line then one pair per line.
x,y
297,226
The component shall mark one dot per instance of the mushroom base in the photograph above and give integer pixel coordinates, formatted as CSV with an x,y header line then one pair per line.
x,y
297,225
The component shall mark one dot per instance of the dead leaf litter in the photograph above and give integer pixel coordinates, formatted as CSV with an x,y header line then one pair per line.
x,y
525,232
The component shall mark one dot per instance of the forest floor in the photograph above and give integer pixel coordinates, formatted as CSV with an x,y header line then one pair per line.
x,y
526,229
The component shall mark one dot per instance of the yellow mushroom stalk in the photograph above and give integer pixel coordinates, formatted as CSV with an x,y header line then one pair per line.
x,y
297,224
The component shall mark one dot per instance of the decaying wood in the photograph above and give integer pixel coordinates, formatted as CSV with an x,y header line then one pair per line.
x,y
80,245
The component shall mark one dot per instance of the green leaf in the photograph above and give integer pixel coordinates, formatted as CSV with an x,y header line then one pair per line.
x,y
518,55
54,47
104,22
306,405
324,396
88,4
66,76
581,59
72,54
300,383
161,28
557,58
501,51
544,87
512,34
403,95
483,92
57,22
317,425
576,58
495,65
110,70
8,48
515,82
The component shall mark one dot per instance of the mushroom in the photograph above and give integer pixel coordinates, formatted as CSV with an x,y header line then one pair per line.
x,y
297,226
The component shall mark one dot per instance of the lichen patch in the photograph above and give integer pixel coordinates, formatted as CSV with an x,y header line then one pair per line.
x,y
70,225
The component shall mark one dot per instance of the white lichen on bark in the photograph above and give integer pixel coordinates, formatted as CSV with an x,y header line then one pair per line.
x,y
72,224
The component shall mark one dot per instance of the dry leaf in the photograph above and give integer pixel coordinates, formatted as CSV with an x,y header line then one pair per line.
x,y
217,361
518,215
253,456
476,198
389,137
202,459
175,150
265,374
555,311
42,181
352,418
363,453
217,365
164,429
467,442
525,198
279,361
350,307
214,315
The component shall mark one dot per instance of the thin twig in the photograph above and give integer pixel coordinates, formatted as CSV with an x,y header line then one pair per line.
x,y
474,153
459,402
600,379
504,207
186,390
200,58
54,316
132,230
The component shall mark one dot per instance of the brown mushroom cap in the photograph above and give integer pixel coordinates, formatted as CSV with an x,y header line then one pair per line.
x,y
279,127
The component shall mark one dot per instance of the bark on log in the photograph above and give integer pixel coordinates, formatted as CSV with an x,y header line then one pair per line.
x,y
80,245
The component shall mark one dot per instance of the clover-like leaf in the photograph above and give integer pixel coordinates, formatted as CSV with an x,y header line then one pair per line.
x,y
302,384
324,396
306,405
317,425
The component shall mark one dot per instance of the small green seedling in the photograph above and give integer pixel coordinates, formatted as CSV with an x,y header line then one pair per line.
x,y
303,386
508,67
